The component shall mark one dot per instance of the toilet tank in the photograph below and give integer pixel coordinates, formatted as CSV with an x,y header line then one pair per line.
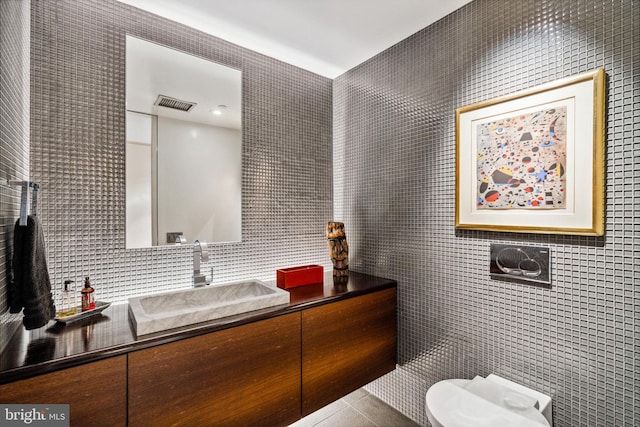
x,y
544,401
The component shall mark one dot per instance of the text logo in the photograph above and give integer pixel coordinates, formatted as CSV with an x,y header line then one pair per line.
x,y
34,415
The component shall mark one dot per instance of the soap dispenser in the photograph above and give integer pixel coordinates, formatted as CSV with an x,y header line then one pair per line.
x,y
88,296
69,307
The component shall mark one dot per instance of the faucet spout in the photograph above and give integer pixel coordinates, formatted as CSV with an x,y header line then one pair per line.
x,y
200,253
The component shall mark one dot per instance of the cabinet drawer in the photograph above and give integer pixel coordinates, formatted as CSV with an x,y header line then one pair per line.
x,y
96,392
346,345
247,375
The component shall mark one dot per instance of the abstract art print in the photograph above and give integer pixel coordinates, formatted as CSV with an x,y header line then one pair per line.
x,y
521,161
533,161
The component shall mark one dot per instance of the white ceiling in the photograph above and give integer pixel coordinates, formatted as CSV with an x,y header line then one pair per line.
x,y
327,37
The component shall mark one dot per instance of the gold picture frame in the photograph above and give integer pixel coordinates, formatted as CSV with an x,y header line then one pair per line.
x,y
533,161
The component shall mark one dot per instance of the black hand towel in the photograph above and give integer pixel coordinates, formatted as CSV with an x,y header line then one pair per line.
x,y
31,287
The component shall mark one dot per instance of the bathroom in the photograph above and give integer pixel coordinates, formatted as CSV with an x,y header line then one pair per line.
x,y
373,147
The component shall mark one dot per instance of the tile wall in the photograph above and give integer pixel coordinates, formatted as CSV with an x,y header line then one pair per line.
x,y
14,137
77,153
394,186
393,179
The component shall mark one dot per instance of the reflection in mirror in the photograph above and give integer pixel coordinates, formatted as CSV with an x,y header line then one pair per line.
x,y
183,148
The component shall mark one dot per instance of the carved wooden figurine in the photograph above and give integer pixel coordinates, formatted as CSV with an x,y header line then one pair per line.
x,y
338,248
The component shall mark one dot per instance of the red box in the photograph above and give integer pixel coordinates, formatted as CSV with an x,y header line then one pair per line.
x,y
299,276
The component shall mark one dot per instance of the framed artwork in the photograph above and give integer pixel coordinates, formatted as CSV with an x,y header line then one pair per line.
x,y
533,161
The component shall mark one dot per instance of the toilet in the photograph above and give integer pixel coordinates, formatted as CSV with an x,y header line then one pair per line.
x,y
492,402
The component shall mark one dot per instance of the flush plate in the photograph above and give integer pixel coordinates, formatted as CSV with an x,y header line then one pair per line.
x,y
522,263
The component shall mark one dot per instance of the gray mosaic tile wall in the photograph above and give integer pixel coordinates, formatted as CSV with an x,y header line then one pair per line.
x,y
14,135
394,186
77,153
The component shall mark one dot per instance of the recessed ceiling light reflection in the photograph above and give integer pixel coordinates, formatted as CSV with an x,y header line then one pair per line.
x,y
218,111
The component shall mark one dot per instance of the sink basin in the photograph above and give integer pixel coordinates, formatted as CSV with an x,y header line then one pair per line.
x,y
167,310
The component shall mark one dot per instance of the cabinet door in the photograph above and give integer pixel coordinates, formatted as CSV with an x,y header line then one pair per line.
x,y
95,392
248,375
346,345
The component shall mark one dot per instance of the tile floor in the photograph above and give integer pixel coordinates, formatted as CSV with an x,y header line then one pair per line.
x,y
358,409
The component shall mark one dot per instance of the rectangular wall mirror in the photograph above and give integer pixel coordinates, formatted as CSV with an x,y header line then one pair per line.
x,y
183,148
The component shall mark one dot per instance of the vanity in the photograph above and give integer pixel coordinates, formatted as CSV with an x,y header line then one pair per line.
x,y
266,367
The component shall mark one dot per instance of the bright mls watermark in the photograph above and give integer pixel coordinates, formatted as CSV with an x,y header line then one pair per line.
x,y
34,415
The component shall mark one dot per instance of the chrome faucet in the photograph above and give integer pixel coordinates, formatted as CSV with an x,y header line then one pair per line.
x,y
200,253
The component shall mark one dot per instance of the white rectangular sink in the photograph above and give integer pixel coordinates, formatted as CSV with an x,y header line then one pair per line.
x,y
167,310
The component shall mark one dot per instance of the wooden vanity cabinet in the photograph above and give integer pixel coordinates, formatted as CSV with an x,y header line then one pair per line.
x,y
345,345
96,392
248,375
269,372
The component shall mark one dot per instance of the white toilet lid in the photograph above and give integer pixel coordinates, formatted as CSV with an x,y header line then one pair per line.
x,y
454,406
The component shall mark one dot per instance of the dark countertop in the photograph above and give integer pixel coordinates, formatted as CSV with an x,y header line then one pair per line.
x,y
58,346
